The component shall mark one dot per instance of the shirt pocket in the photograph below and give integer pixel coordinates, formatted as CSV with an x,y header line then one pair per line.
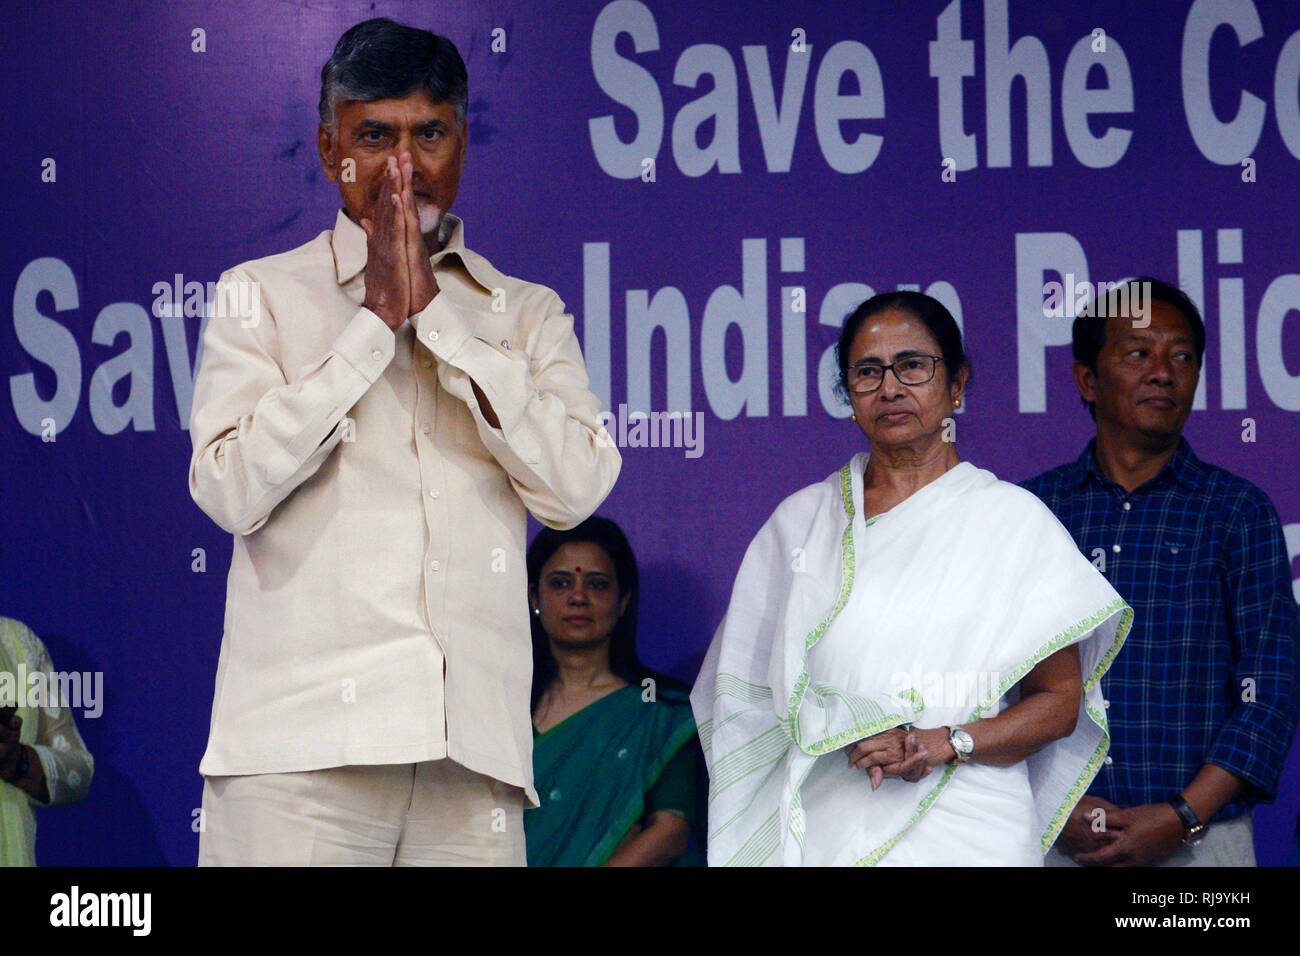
x,y
1170,555
1183,592
500,330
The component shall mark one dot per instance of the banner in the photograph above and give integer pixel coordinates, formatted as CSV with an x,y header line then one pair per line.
x,y
710,188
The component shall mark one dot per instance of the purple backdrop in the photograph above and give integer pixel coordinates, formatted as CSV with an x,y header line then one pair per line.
x,y
710,191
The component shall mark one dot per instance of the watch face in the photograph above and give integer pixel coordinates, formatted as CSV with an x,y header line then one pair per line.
x,y
962,742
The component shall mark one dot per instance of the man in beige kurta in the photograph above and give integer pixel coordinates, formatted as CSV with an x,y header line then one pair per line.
x,y
373,415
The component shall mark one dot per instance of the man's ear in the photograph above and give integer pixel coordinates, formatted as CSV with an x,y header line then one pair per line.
x,y
1085,380
325,146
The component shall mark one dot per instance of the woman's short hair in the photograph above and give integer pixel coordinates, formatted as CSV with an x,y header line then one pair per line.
x,y
930,311
380,59
623,659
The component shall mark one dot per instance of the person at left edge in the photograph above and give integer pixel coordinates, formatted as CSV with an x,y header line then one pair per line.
x,y
373,414
43,760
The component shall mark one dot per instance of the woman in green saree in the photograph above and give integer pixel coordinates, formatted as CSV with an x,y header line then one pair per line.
x,y
615,754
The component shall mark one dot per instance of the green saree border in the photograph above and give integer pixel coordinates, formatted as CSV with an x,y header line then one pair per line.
x,y
1063,639
1093,765
848,570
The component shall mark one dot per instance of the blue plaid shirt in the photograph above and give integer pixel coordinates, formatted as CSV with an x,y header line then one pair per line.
x,y
1209,671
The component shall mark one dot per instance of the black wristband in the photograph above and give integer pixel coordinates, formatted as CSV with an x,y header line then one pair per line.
x,y
1185,813
22,767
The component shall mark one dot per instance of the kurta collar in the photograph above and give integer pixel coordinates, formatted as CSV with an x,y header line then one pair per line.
x,y
349,244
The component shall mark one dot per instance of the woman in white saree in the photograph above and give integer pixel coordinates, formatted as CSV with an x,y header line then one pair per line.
x,y
934,624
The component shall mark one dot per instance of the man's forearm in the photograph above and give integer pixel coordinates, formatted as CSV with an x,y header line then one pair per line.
x,y
1210,789
257,437
536,416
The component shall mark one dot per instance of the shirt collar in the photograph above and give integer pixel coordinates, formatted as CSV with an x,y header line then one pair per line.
x,y
1184,468
349,244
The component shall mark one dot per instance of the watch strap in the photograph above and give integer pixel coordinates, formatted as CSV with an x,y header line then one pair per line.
x,y
1191,822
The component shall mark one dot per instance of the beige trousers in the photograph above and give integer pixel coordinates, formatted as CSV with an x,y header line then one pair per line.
x,y
435,813
1231,843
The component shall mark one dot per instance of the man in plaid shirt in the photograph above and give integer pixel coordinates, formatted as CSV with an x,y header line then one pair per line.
x,y
1202,699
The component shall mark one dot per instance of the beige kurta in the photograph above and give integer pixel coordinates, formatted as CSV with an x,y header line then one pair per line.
x,y
376,607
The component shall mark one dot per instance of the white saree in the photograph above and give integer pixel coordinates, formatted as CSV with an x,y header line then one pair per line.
x,y
929,614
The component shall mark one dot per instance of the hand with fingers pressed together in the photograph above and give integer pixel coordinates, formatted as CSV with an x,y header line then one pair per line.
x,y
399,276
901,752
388,284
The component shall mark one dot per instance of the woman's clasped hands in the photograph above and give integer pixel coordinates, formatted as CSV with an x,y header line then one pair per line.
x,y
898,752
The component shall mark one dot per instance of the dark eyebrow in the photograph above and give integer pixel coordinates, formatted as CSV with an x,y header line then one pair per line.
x,y
380,124
898,356
1144,336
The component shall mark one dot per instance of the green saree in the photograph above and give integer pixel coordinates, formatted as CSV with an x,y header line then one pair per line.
x,y
594,772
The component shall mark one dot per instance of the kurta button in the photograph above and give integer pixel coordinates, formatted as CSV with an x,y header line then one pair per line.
x,y
425,429
1108,761
433,493
376,354
1106,704
505,344
1115,548
554,795
1127,506
434,565
433,335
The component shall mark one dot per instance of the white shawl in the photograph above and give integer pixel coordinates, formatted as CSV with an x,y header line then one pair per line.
x,y
839,629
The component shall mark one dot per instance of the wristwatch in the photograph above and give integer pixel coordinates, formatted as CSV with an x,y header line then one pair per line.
x,y
963,744
1196,830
